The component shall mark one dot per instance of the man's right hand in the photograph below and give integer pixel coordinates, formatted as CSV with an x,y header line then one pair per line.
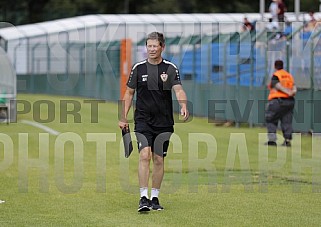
x,y
123,124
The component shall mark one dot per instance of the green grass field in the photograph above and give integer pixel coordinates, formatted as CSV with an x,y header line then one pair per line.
x,y
215,176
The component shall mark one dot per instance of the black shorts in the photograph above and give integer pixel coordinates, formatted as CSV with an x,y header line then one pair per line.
x,y
155,137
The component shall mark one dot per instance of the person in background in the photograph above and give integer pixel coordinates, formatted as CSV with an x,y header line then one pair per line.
x,y
274,9
312,22
247,25
287,29
282,9
280,105
154,79
312,18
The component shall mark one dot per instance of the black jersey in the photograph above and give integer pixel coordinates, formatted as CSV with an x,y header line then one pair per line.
x,y
153,84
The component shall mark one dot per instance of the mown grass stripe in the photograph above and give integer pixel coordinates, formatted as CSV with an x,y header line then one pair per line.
x,y
41,126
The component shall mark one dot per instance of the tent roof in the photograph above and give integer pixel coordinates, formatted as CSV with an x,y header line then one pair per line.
x,y
81,22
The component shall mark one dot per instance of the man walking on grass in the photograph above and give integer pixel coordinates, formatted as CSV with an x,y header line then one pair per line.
x,y
153,79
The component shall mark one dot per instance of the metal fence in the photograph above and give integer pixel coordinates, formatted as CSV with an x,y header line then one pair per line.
x,y
225,75
78,69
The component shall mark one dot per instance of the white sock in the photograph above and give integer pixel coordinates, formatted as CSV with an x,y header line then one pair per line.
x,y
143,192
154,193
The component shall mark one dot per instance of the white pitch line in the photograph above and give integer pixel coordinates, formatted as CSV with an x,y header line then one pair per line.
x,y
1,201
38,125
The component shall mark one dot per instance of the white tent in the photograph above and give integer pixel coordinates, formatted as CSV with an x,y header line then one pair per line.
x,y
21,42
30,46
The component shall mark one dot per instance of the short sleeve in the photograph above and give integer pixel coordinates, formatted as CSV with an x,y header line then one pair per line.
x,y
274,81
132,80
176,79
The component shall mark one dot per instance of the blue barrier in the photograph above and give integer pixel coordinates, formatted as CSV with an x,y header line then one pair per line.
x,y
211,65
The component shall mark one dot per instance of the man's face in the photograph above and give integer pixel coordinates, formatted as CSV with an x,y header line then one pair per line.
x,y
154,49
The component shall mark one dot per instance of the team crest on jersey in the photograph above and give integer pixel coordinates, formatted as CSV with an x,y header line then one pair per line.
x,y
164,77
144,77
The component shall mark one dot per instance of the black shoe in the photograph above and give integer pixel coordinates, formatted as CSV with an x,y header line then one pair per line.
x,y
144,204
271,143
286,143
155,204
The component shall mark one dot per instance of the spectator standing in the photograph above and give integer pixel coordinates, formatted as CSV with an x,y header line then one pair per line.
x,y
312,21
282,9
247,25
274,9
280,105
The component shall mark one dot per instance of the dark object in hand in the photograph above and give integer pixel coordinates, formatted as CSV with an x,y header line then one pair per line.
x,y
127,140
